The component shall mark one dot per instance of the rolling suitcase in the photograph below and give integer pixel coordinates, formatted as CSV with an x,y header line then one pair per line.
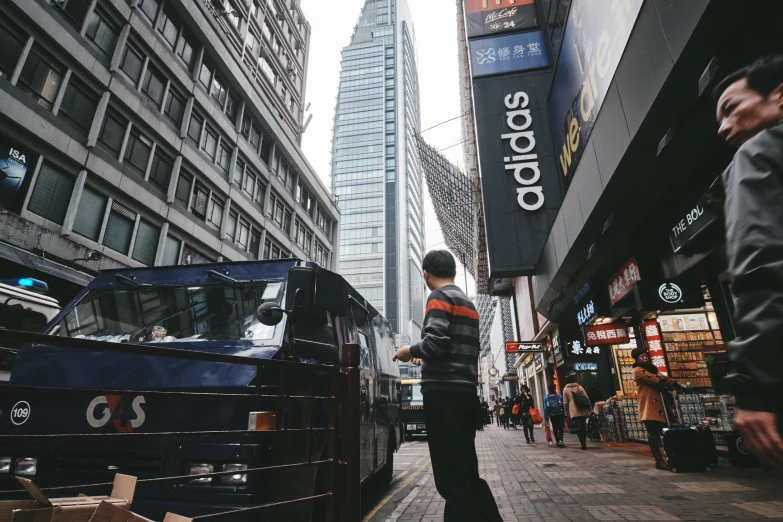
x,y
688,449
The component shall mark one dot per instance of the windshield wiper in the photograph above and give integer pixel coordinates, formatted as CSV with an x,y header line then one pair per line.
x,y
129,280
215,273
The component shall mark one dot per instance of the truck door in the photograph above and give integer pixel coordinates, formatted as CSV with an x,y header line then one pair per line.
x,y
367,389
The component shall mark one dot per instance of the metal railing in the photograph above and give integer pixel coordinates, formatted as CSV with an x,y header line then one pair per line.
x,y
335,386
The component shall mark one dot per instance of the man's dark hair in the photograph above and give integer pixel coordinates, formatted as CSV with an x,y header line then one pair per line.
x,y
570,378
552,388
440,263
763,76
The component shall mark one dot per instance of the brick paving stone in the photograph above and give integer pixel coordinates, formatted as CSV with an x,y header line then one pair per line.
x,y
710,487
772,509
603,483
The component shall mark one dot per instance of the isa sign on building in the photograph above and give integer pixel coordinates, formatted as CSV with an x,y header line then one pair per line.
x,y
508,53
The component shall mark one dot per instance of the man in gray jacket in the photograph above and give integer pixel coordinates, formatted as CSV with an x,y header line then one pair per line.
x,y
750,117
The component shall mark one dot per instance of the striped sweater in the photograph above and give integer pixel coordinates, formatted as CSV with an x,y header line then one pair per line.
x,y
449,346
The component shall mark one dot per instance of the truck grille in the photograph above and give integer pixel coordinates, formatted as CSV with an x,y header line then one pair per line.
x,y
93,463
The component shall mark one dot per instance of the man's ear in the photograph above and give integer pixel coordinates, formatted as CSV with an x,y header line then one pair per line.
x,y
777,93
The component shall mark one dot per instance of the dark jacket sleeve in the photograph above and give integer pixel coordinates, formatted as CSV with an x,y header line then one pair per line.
x,y
753,185
436,334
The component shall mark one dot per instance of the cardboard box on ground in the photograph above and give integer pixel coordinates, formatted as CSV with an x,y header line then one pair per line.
x,y
82,508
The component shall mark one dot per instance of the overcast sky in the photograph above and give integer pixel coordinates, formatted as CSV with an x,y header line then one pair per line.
x,y
436,42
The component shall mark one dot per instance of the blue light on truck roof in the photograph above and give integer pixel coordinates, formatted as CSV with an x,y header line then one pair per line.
x,y
27,282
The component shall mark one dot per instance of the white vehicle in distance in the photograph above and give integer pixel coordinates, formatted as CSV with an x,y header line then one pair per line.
x,y
24,307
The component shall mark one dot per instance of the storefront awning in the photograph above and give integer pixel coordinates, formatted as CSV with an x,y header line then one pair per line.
x,y
24,258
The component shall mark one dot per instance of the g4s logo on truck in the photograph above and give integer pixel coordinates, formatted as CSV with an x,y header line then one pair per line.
x,y
125,413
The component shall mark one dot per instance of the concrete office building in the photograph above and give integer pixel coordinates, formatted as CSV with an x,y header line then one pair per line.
x,y
154,132
375,166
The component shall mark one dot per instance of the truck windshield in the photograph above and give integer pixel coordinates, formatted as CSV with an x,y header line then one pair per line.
x,y
411,393
218,312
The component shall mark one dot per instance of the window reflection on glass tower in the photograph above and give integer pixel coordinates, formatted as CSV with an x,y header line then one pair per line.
x,y
375,166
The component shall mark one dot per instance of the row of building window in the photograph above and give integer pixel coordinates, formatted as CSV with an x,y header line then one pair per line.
x,y
41,77
105,221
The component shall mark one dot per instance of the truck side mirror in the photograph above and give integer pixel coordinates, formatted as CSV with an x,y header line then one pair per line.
x,y
300,290
269,314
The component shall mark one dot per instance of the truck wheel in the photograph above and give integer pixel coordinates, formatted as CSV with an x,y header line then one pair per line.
x,y
386,473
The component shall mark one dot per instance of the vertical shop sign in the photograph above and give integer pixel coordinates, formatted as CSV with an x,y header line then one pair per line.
x,y
655,343
595,37
622,282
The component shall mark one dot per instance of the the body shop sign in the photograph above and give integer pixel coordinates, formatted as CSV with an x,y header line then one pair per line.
x,y
595,37
497,16
14,163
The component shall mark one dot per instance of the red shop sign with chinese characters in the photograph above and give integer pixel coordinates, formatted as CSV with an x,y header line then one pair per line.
x,y
612,333
653,335
622,282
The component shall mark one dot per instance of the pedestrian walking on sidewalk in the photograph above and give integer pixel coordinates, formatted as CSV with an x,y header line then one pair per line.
x,y
515,412
649,385
554,412
449,349
497,409
525,403
577,407
750,116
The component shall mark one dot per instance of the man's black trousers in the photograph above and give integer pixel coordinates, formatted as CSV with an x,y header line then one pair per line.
x,y
451,434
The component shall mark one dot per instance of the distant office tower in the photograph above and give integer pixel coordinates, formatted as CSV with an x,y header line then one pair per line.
x,y
375,166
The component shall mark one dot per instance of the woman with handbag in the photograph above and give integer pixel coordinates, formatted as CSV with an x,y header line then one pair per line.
x,y
649,387
577,407
526,402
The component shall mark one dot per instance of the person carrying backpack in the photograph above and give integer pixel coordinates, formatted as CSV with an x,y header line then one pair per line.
x,y
554,411
576,404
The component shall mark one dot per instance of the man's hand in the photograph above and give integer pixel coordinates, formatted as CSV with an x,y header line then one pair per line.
x,y
403,354
416,362
760,432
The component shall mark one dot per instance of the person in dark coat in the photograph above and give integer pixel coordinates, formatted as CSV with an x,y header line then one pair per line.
x,y
525,403
750,117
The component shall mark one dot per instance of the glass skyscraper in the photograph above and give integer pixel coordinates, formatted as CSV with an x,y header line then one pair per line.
x,y
375,166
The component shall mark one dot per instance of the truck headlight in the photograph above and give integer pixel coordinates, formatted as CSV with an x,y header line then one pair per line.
x,y
200,468
25,466
5,465
236,479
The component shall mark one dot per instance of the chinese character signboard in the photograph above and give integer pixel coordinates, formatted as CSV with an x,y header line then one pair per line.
x,y
612,333
15,164
498,16
594,39
622,282
579,348
655,345
508,53
524,347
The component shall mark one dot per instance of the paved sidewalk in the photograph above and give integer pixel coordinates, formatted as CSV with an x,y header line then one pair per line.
x,y
535,482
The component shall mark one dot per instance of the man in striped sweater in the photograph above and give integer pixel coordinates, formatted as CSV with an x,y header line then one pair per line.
x,y
449,357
